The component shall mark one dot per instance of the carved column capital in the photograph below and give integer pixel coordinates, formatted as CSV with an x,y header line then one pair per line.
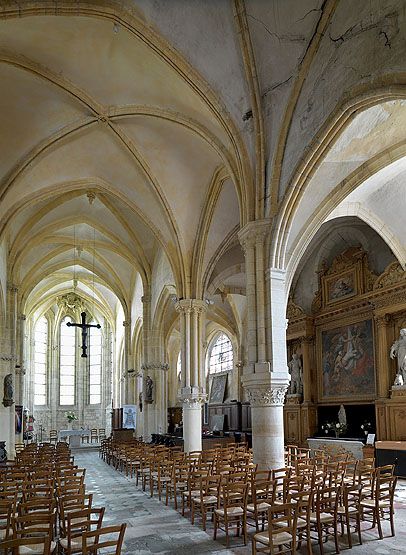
x,y
253,233
155,366
146,299
126,324
189,306
383,320
267,396
192,397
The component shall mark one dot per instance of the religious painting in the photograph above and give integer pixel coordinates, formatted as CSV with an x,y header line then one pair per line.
x,y
129,416
341,286
218,388
347,362
18,419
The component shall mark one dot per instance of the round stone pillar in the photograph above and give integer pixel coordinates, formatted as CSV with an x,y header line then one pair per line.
x,y
267,401
192,425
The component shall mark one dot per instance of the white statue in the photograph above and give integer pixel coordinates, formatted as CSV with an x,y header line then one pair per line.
x,y
342,416
296,380
398,350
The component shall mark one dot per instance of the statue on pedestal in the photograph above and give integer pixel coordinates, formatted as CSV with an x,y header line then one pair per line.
x,y
8,399
296,379
149,390
398,350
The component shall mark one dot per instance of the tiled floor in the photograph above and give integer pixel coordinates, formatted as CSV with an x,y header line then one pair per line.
x,y
153,528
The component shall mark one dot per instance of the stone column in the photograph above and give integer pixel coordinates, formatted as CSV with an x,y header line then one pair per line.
x,y
193,391
266,394
268,384
125,384
146,328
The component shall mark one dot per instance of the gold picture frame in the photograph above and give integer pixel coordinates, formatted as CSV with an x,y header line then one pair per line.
x,y
341,286
346,361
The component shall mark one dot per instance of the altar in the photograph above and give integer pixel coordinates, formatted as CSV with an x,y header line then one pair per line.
x,y
73,436
335,446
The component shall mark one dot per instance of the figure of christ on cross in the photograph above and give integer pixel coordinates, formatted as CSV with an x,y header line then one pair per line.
x,y
84,327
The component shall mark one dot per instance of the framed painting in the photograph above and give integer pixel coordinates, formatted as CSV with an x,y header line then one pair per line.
x,y
218,389
346,362
339,287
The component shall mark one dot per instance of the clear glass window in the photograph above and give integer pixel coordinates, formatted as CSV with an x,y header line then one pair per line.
x,y
221,355
67,363
40,361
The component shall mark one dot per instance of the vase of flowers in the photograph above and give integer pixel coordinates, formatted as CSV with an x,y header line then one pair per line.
x,y
337,427
366,427
71,417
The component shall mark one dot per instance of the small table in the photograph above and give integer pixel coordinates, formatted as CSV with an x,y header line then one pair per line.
x,y
74,436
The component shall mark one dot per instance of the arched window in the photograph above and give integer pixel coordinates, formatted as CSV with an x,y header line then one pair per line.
x,y
67,363
221,355
95,365
40,361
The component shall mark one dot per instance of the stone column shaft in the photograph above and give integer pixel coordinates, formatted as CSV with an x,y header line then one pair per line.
x,y
191,314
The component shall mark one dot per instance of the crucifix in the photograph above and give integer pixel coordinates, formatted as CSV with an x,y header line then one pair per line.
x,y
84,327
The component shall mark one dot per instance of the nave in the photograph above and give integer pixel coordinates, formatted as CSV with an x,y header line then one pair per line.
x,y
154,528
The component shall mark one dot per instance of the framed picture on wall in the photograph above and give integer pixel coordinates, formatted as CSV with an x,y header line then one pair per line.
x,y
346,366
218,389
339,287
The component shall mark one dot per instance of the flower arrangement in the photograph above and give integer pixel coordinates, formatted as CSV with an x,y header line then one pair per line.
x,y
366,427
337,427
71,416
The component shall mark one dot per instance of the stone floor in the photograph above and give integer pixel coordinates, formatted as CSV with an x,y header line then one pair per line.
x,y
153,528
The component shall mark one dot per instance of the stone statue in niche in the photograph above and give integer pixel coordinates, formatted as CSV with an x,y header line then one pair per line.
x,y
398,350
296,375
149,390
8,398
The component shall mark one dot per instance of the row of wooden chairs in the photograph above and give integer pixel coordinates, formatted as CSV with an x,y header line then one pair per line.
x,y
45,508
318,494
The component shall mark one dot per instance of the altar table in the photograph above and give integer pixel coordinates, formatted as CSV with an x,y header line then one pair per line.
x,y
74,436
334,446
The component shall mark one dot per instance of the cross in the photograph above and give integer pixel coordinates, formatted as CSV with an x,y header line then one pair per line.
x,y
84,328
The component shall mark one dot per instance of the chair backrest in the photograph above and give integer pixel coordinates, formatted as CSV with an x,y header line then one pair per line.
x,y
235,494
113,537
37,505
6,512
34,524
83,520
13,546
282,518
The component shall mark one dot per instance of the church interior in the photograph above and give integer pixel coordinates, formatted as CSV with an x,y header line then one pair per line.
x,y
203,250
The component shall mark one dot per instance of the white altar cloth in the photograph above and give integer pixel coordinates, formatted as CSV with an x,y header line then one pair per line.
x,y
73,436
335,446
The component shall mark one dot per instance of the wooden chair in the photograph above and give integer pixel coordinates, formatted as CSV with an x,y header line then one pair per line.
x,y
38,545
6,512
79,522
323,520
233,512
380,506
94,435
208,499
349,510
262,499
281,534
36,526
178,483
93,541
102,434
53,436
